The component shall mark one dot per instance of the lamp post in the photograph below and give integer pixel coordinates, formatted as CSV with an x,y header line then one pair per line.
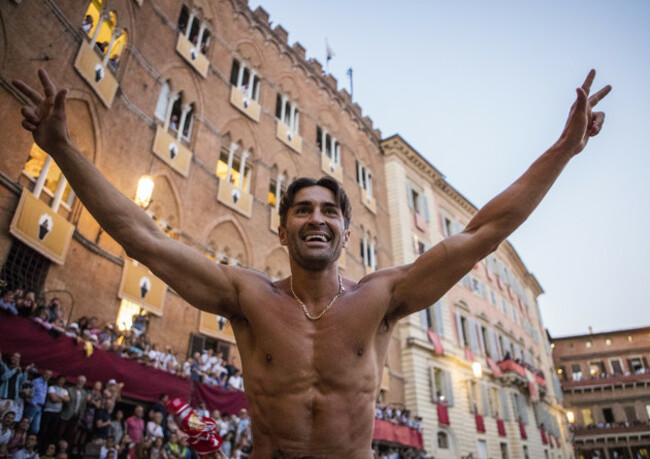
x,y
144,191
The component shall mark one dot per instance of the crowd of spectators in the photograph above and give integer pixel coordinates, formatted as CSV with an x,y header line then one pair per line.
x,y
611,425
526,365
42,415
399,416
132,343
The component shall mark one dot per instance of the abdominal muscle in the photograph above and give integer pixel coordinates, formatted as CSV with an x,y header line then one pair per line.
x,y
312,424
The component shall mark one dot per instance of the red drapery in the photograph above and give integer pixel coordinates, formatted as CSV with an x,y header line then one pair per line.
x,y
501,427
522,430
543,433
496,371
64,355
435,340
443,414
395,433
480,423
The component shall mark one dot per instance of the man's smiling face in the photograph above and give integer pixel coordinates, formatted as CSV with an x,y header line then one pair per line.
x,y
315,231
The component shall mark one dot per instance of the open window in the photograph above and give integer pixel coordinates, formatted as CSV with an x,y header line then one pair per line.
x,y
194,39
330,150
245,89
100,26
172,141
368,253
48,178
365,181
288,122
234,173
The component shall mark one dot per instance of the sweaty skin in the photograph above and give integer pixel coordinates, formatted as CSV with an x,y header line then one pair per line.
x,y
311,384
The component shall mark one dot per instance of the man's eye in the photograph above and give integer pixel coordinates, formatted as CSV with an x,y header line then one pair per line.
x,y
301,211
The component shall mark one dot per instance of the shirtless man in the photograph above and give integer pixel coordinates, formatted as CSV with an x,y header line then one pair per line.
x,y
313,345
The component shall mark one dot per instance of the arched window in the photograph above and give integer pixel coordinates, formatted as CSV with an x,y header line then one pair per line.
x,y
48,177
443,440
175,112
101,28
194,29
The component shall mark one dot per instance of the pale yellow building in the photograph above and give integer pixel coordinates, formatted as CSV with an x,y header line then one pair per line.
x,y
476,365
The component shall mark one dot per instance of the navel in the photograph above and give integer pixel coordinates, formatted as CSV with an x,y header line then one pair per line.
x,y
359,352
269,358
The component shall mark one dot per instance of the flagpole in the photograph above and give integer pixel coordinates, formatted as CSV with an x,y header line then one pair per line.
x,y
351,86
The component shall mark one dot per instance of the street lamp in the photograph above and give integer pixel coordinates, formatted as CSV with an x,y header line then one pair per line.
x,y
477,369
144,191
570,417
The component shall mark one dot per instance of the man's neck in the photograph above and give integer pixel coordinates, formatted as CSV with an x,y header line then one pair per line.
x,y
315,287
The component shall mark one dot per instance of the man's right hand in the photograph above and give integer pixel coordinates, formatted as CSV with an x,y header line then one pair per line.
x,y
45,119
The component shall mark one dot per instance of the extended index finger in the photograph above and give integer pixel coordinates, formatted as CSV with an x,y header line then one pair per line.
x,y
597,97
30,92
590,79
48,85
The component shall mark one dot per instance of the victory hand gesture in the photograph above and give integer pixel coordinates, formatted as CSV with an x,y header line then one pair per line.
x,y
583,122
45,119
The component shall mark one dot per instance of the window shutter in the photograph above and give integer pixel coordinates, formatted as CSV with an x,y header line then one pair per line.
x,y
278,106
358,173
472,335
432,385
163,102
409,196
523,409
484,399
234,72
479,335
445,233
504,404
629,366
422,314
425,207
492,344
437,312
449,392
459,329
645,364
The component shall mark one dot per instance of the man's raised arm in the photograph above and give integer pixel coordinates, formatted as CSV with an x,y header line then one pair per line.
x,y
197,279
421,284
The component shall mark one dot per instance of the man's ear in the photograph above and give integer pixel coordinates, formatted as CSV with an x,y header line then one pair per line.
x,y
346,238
282,235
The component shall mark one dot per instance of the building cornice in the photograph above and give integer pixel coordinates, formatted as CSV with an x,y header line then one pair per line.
x,y
623,331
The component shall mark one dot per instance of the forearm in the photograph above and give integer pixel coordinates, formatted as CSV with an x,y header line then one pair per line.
x,y
508,210
120,217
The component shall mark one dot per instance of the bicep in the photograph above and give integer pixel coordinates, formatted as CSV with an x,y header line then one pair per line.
x,y
426,280
197,279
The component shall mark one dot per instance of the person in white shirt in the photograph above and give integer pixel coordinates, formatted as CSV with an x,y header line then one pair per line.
x,y
236,381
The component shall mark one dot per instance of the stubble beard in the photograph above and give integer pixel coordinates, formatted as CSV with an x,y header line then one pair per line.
x,y
316,262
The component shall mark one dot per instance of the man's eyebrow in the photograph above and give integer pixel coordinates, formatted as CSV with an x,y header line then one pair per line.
x,y
301,203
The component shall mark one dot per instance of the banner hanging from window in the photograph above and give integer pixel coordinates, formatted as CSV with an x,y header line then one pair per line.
x,y
140,286
42,229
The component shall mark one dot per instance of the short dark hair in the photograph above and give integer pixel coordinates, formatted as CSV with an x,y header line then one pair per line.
x,y
326,182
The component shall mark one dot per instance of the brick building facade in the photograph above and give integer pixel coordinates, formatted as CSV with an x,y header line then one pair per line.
x,y
212,104
606,382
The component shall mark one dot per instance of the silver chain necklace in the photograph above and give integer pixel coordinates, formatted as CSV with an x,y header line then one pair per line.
x,y
304,308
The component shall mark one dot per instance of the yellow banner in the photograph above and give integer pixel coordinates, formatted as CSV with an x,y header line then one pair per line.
x,y
216,327
38,226
142,287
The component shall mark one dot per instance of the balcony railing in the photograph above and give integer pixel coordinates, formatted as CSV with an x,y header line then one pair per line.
x,y
288,137
512,366
172,151
591,431
231,196
608,380
331,168
90,66
191,53
245,104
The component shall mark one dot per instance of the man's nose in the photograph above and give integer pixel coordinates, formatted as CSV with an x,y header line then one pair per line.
x,y
316,217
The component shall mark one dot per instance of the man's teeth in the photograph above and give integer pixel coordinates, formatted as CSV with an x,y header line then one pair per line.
x,y
316,237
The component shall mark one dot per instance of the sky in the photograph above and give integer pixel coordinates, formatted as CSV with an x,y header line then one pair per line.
x,y
481,89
